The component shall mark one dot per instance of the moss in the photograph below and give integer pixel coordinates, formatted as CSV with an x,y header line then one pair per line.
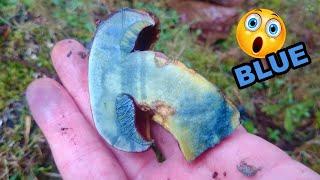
x,y
14,78
23,154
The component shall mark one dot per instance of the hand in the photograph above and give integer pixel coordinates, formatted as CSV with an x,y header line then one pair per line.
x,y
64,116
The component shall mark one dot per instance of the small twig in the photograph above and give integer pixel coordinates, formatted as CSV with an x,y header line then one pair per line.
x,y
180,52
53,175
159,154
27,130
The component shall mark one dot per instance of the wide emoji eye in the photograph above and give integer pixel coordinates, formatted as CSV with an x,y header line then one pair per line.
x,y
253,22
273,28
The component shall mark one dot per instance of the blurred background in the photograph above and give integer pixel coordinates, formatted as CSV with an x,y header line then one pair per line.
x,y
283,110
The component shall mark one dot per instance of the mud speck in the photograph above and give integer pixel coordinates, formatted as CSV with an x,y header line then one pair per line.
x,y
64,129
247,170
215,175
69,53
82,54
224,174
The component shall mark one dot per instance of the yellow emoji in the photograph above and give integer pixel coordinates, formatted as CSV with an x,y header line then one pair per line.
x,y
260,32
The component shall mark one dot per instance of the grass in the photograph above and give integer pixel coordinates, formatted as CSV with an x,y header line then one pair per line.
x,y
283,110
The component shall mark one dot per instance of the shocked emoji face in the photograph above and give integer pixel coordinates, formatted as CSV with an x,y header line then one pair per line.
x,y
260,32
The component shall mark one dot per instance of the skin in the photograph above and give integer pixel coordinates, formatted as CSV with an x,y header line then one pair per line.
x,y
64,116
246,37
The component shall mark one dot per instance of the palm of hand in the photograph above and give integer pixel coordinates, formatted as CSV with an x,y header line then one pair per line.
x,y
64,116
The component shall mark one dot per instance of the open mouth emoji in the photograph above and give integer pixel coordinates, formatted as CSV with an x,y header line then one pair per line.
x,y
265,31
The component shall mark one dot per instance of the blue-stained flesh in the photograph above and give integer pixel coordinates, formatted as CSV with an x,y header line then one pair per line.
x,y
183,102
125,119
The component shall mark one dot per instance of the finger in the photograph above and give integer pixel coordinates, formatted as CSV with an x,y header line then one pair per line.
x,y
77,149
72,71
290,169
70,60
239,156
